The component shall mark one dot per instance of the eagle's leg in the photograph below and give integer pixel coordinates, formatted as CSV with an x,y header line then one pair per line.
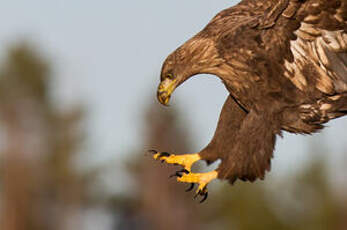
x,y
250,156
185,160
230,120
228,126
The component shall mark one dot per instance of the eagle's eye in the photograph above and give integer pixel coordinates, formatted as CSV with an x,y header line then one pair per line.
x,y
170,76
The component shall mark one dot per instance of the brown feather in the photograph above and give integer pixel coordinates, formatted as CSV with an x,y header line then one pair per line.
x,y
284,64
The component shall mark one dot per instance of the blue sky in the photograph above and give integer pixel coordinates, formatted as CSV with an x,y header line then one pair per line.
x,y
108,55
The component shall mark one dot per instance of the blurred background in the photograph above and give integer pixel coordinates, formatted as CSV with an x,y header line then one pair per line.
x,y
78,112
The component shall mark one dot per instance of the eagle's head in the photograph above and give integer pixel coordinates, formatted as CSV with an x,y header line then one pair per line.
x,y
172,74
196,56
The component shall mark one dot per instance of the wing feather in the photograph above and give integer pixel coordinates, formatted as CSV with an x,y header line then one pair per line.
x,y
322,42
304,41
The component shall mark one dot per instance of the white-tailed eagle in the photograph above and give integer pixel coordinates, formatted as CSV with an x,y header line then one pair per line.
x,y
284,63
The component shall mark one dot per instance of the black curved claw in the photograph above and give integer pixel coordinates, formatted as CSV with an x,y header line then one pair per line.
x,y
183,171
153,151
190,187
196,195
177,174
203,193
164,154
205,197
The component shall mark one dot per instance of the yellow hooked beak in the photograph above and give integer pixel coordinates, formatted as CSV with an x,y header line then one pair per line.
x,y
165,90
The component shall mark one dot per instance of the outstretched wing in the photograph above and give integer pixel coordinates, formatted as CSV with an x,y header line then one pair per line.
x,y
303,41
272,43
319,48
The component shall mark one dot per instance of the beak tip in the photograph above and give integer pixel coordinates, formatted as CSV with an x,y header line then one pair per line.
x,y
165,89
163,98
164,102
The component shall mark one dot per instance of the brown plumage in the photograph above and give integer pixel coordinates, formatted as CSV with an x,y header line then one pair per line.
x,y
284,63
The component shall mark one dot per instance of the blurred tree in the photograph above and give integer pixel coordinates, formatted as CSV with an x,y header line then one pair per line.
x,y
39,188
160,203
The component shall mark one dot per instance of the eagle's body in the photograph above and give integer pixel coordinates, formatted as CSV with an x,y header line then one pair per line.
x,y
284,63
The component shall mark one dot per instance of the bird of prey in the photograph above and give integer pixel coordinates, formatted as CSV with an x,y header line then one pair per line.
x,y
284,64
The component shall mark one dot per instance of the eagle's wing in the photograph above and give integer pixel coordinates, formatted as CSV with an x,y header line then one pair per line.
x,y
272,43
319,48
305,41
310,39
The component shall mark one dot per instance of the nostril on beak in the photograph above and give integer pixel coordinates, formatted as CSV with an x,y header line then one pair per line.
x,y
161,93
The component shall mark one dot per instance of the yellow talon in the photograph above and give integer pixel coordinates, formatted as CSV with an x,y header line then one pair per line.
x,y
186,160
185,175
199,178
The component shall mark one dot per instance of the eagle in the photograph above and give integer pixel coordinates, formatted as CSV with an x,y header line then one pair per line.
x,y
284,64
